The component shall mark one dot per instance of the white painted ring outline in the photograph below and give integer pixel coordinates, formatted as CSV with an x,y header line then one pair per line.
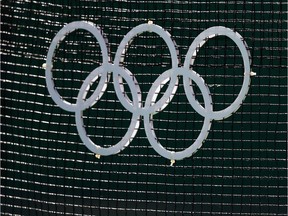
x,y
151,106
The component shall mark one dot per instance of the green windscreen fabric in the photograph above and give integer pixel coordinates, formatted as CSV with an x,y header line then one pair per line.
x,y
241,169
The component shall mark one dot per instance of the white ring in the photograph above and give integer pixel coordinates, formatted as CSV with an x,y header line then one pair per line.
x,y
54,44
132,107
199,41
149,128
121,51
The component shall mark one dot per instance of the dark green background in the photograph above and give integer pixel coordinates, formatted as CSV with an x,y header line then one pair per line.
x,y
46,170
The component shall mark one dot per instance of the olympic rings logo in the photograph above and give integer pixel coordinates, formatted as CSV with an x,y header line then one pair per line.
x,y
151,106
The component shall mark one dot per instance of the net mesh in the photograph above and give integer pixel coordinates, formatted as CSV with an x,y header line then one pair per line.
x,y
241,169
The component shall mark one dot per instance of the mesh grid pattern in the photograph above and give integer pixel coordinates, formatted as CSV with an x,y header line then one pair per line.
x,y
241,169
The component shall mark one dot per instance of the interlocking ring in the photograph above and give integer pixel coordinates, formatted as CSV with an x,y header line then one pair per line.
x,y
151,106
